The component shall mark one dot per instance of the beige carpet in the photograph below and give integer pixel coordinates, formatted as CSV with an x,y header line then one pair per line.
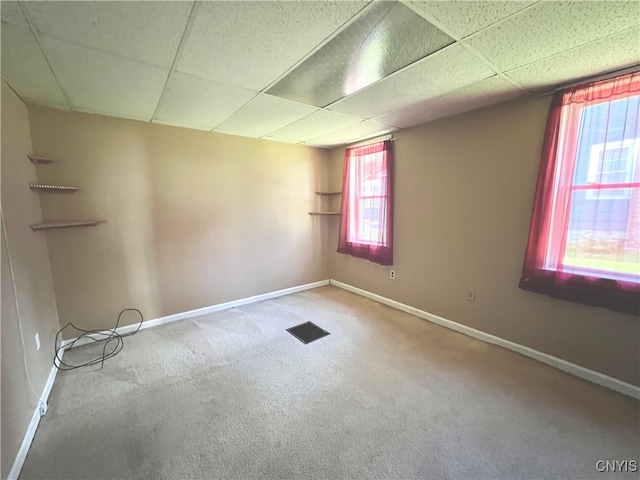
x,y
386,395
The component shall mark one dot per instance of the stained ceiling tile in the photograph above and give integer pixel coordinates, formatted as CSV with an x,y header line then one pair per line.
x,y
479,94
26,70
99,82
549,28
198,103
11,14
466,17
250,44
606,55
149,32
263,115
316,124
350,134
445,70
382,40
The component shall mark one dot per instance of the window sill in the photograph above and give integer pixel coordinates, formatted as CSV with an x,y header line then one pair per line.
x,y
618,295
356,243
596,274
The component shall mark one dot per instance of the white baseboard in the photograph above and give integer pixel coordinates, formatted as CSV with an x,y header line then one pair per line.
x,y
33,426
35,420
201,311
578,371
572,368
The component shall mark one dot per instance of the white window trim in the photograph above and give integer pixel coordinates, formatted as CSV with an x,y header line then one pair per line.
x,y
596,163
353,221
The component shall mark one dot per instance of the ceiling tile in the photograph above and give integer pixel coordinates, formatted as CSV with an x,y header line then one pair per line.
x,y
466,17
149,32
11,14
445,70
549,28
384,39
606,55
26,70
482,93
350,134
99,82
250,44
314,125
263,115
198,103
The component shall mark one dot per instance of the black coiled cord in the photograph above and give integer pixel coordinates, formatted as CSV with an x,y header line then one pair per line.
x,y
109,337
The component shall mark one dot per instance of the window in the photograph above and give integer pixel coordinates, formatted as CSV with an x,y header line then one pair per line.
x,y
612,162
584,239
366,223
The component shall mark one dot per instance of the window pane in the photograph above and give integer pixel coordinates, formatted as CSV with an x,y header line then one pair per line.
x,y
605,234
607,142
374,177
604,224
372,187
370,215
372,166
616,158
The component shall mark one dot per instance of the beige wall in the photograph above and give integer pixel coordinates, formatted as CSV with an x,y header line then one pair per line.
x,y
464,192
33,282
193,218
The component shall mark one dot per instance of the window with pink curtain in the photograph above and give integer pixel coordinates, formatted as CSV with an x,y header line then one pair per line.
x,y
584,239
366,222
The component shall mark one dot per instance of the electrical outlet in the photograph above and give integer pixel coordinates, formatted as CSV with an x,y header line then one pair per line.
x,y
392,274
38,341
471,295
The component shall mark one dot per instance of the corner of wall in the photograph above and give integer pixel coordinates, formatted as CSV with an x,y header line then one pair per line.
x,y
28,299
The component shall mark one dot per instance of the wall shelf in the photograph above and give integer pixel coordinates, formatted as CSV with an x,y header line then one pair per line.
x,y
52,225
325,194
47,188
39,187
37,159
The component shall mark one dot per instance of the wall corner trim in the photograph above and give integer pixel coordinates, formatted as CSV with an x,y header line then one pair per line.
x,y
14,473
576,370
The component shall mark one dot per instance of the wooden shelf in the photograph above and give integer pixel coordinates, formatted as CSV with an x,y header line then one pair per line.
x,y
39,187
324,213
52,225
328,193
37,159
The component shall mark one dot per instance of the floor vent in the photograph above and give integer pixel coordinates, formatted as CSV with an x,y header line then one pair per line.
x,y
307,332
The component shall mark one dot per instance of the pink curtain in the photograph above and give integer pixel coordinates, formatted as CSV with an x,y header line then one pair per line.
x,y
366,222
584,238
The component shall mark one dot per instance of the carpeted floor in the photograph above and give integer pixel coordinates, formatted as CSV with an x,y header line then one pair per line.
x,y
386,395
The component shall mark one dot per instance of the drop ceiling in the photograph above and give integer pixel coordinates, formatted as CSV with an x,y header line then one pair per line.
x,y
320,73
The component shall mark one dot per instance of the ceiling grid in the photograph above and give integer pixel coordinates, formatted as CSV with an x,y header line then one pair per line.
x,y
185,34
320,73
512,8
367,5
37,39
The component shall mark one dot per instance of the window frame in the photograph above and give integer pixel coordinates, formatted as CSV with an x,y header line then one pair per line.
x,y
544,270
355,194
358,172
